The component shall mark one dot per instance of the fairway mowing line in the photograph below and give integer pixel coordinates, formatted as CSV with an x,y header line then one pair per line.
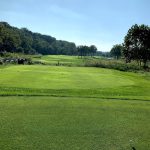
x,y
63,96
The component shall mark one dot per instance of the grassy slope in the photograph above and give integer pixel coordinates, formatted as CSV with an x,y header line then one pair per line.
x,y
62,59
73,81
73,120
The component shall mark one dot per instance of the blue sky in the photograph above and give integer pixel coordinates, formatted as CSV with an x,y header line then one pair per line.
x,y
100,22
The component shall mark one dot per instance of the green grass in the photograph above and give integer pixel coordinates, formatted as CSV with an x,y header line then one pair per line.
x,y
61,59
37,123
73,108
87,61
73,81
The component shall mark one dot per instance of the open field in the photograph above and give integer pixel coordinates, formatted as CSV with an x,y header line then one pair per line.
x,y
73,108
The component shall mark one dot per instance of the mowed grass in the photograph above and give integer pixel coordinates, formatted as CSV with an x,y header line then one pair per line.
x,y
73,108
61,60
48,123
74,82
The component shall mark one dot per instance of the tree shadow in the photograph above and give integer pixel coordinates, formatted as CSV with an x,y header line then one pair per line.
x,y
133,148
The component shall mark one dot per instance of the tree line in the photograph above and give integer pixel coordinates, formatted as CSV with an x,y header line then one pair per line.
x,y
24,41
136,45
86,51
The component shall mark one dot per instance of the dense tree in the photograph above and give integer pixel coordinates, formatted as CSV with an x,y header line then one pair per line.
x,y
81,50
93,50
22,40
85,50
9,40
116,51
137,44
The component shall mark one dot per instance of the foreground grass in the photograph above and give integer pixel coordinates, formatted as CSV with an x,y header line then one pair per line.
x,y
36,123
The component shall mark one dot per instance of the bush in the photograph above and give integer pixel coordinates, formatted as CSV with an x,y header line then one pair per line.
x,y
113,64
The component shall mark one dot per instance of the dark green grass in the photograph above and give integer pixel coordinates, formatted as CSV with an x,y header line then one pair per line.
x,y
37,123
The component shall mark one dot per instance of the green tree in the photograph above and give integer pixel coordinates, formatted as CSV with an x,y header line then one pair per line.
x,y
93,50
24,41
83,50
116,51
137,44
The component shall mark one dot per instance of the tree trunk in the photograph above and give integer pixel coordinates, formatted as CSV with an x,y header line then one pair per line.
x,y
145,64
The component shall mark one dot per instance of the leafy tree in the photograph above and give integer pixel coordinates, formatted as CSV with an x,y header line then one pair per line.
x,y
137,44
80,50
93,50
116,51
22,40
9,40
83,50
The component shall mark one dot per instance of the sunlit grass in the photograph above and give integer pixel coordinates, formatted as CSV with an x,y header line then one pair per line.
x,y
73,81
73,123
72,108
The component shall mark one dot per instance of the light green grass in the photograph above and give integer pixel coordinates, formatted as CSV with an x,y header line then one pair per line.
x,y
61,59
43,123
87,61
73,81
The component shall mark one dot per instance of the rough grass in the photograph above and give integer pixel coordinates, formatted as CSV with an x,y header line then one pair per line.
x,y
87,61
114,64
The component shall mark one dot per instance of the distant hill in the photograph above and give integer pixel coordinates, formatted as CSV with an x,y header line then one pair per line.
x,y
22,40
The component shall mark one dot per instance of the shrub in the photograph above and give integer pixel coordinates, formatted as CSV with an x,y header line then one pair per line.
x,y
113,64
